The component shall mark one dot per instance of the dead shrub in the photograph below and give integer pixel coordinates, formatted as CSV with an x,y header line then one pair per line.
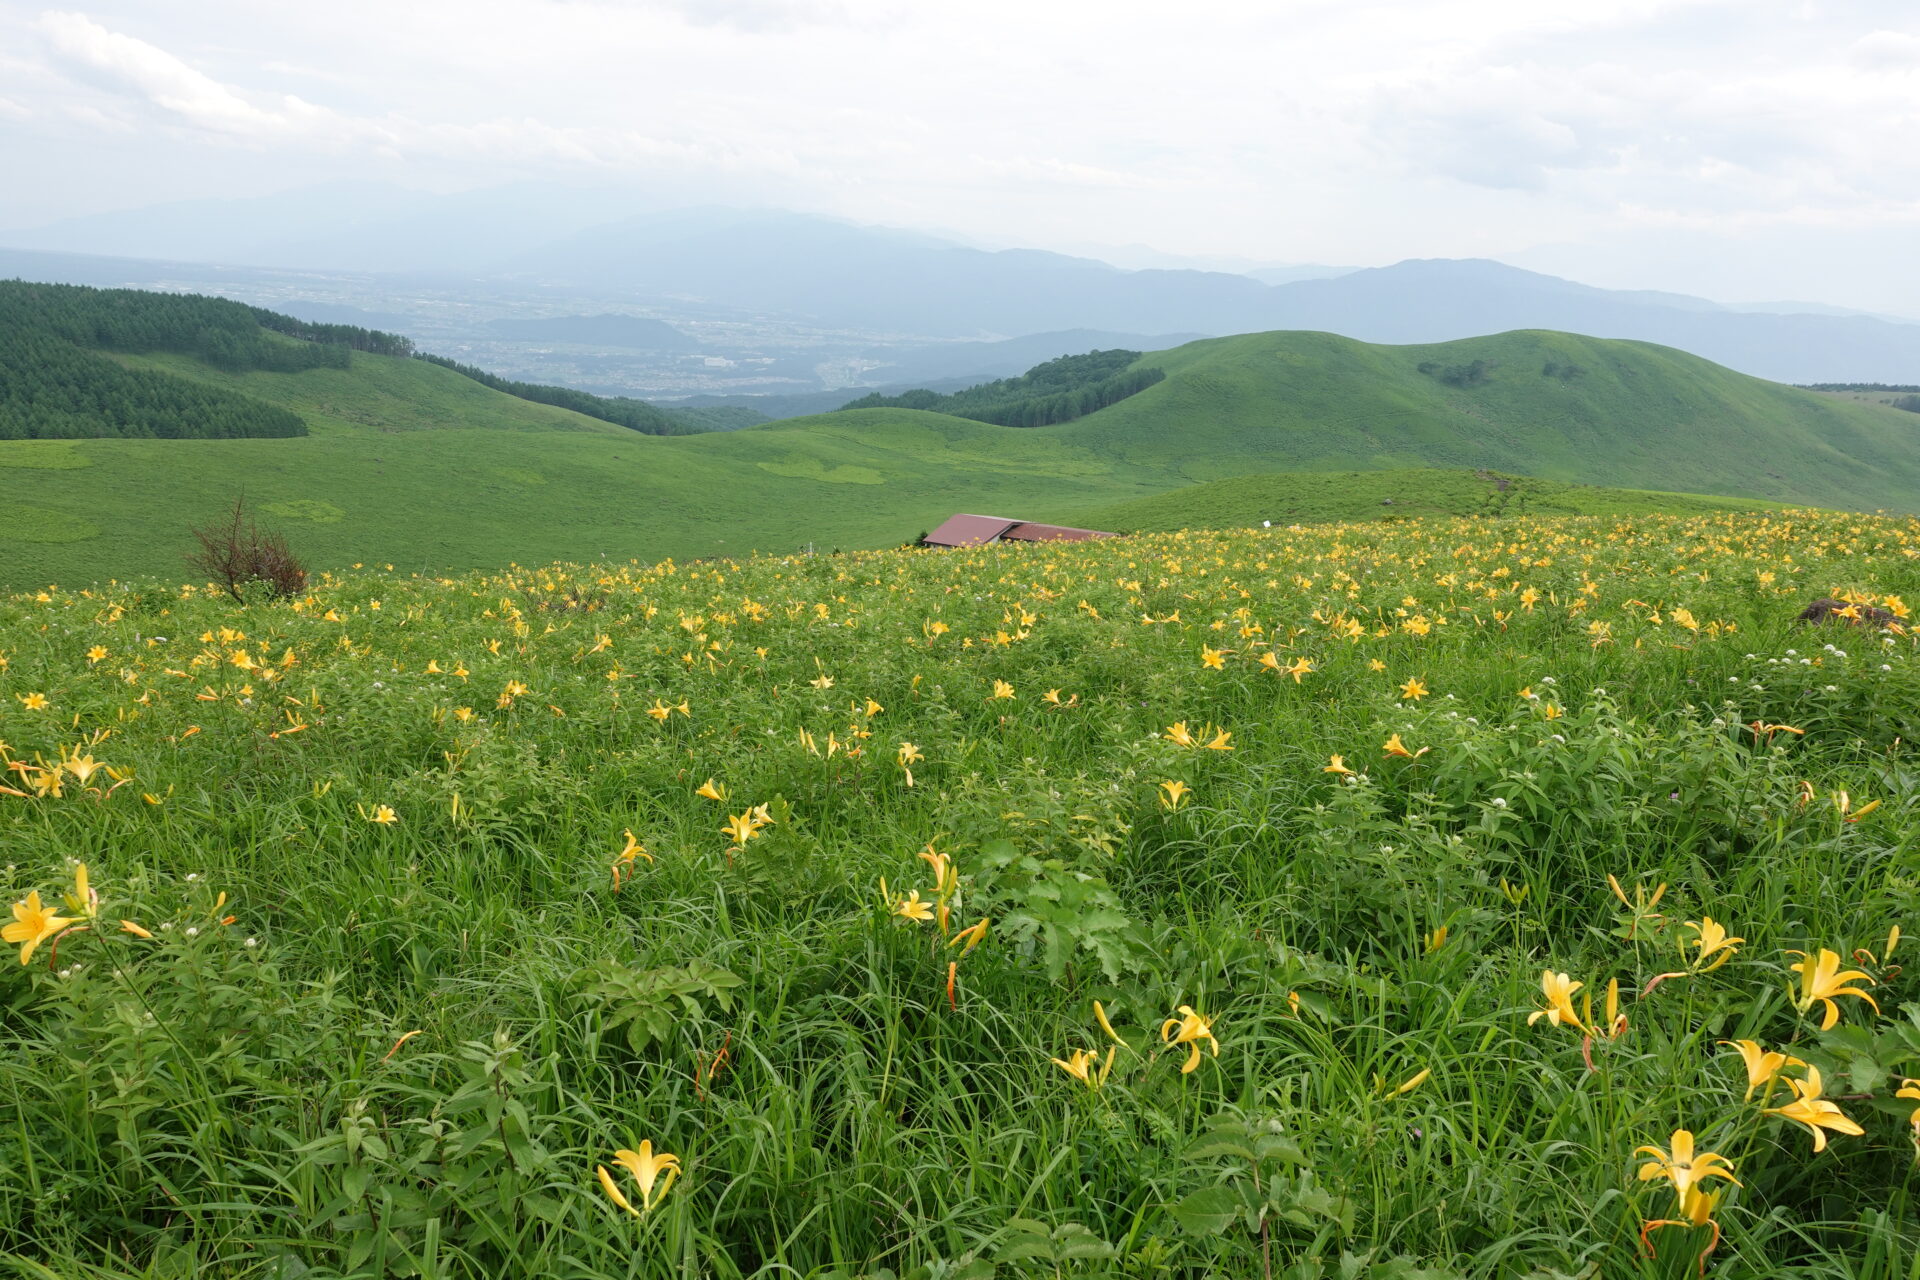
x,y
247,560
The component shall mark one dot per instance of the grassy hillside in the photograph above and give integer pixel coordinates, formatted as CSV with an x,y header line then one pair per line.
x,y
412,464
1325,496
1635,415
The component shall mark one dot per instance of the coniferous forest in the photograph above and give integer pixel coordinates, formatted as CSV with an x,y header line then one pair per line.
x,y
57,383
1057,391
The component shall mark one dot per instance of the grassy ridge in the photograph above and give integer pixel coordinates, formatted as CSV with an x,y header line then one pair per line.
x,y
1638,416
1328,496
443,892
415,465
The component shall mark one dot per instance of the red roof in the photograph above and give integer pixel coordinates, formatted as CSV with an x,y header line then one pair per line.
x,y
974,531
1030,532
968,531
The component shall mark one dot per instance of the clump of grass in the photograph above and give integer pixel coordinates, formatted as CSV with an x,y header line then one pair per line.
x,y
782,893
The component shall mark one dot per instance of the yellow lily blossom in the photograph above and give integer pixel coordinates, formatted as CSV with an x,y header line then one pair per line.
x,y
1413,690
1394,747
647,1168
1815,1112
711,790
1712,940
740,828
1683,1166
1822,979
1436,939
128,926
1215,659
1337,765
1001,690
1220,741
634,849
1177,734
384,815
1558,989
1079,1065
1176,794
1189,1028
1762,1065
1300,667
32,925
946,877
912,908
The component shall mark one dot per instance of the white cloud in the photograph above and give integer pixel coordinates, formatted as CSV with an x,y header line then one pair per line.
x,y
1332,130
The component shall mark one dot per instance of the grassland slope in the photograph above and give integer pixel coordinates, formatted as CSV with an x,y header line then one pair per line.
x,y
415,465
1553,405
1319,497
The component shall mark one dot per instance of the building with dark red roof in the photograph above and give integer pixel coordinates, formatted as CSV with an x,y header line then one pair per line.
x,y
977,531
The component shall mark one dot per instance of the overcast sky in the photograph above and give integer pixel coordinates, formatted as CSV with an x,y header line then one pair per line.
x,y
1744,149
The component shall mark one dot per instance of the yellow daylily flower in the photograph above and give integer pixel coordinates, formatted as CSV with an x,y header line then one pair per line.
x,y
1815,1112
1762,1065
1394,747
1001,690
1413,690
1189,1028
1215,659
1176,794
946,877
1712,940
1337,765
1177,734
1079,1065
1300,667
32,925
740,827
128,926
384,815
1220,741
1683,1166
711,790
1558,989
1822,979
912,908
647,1168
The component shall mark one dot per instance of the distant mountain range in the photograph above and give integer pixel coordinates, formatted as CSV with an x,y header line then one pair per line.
x,y
828,273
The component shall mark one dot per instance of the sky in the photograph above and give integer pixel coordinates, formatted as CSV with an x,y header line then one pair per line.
x,y
1746,150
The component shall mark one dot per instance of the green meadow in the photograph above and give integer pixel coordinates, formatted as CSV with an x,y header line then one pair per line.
x,y
411,464
1391,900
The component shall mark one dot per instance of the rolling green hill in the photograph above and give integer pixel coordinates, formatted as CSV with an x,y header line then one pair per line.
x,y
1315,497
1631,414
413,464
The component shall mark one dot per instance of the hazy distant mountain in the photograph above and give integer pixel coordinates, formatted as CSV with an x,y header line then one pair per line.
x,y
794,269
632,332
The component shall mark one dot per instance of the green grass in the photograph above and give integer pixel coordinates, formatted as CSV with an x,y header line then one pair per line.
x,y
1326,496
355,1048
432,471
